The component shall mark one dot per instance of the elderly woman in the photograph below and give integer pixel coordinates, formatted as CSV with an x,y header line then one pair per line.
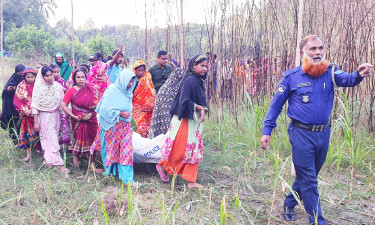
x,y
144,98
115,137
10,117
183,148
66,68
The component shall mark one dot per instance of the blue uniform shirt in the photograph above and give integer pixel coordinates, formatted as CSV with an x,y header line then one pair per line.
x,y
310,99
113,72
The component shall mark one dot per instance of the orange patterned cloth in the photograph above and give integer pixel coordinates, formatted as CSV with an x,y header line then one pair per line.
x,y
143,101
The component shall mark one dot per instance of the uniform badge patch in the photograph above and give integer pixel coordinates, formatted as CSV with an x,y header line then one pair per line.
x,y
305,98
281,89
304,84
338,72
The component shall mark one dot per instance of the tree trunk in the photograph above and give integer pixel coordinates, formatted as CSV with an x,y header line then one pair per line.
x,y
169,44
2,41
299,32
182,35
298,59
72,30
146,37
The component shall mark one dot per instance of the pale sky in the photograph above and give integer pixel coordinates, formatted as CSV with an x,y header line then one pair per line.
x,y
116,12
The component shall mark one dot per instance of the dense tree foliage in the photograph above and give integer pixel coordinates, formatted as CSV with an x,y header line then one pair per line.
x,y
27,12
100,44
19,15
30,42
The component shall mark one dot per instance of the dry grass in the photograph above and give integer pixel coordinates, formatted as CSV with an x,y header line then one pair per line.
x,y
31,194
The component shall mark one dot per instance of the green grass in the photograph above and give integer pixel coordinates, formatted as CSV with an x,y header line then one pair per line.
x,y
245,185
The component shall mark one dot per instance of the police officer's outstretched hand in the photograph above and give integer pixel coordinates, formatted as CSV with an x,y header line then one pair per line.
x,y
265,142
365,69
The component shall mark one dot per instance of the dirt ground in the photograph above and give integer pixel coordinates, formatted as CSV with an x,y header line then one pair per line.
x,y
238,190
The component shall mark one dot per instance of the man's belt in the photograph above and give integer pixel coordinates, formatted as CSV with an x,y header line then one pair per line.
x,y
310,127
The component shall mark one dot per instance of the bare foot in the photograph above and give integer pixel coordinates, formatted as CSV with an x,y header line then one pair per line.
x,y
133,185
28,155
93,169
75,161
27,158
191,185
64,170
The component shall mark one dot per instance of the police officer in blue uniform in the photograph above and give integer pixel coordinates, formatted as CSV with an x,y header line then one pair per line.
x,y
309,90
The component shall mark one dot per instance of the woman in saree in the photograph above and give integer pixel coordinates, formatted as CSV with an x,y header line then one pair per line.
x,y
46,100
22,101
97,78
144,98
64,137
115,137
161,118
183,149
9,115
84,100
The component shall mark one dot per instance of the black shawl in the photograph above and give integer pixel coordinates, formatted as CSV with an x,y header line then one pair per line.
x,y
191,92
8,109
161,118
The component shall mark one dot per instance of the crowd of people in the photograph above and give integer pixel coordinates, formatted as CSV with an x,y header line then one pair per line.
x,y
96,103
102,99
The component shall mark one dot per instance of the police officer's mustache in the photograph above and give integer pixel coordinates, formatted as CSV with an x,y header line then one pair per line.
x,y
317,58
314,69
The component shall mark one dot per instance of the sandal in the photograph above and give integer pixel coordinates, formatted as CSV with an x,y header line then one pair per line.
x,y
163,176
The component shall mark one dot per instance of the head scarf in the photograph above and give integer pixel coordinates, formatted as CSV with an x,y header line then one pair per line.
x,y
65,67
15,79
46,97
28,70
144,93
190,92
138,64
190,69
98,69
18,68
22,98
95,72
8,109
116,98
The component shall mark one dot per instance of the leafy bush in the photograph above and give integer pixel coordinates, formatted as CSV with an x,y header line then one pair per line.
x,y
30,42
101,44
80,50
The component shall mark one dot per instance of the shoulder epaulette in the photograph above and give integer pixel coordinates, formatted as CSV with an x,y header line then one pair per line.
x,y
333,64
290,72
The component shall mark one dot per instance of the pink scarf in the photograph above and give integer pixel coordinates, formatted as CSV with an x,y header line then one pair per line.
x,y
92,77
